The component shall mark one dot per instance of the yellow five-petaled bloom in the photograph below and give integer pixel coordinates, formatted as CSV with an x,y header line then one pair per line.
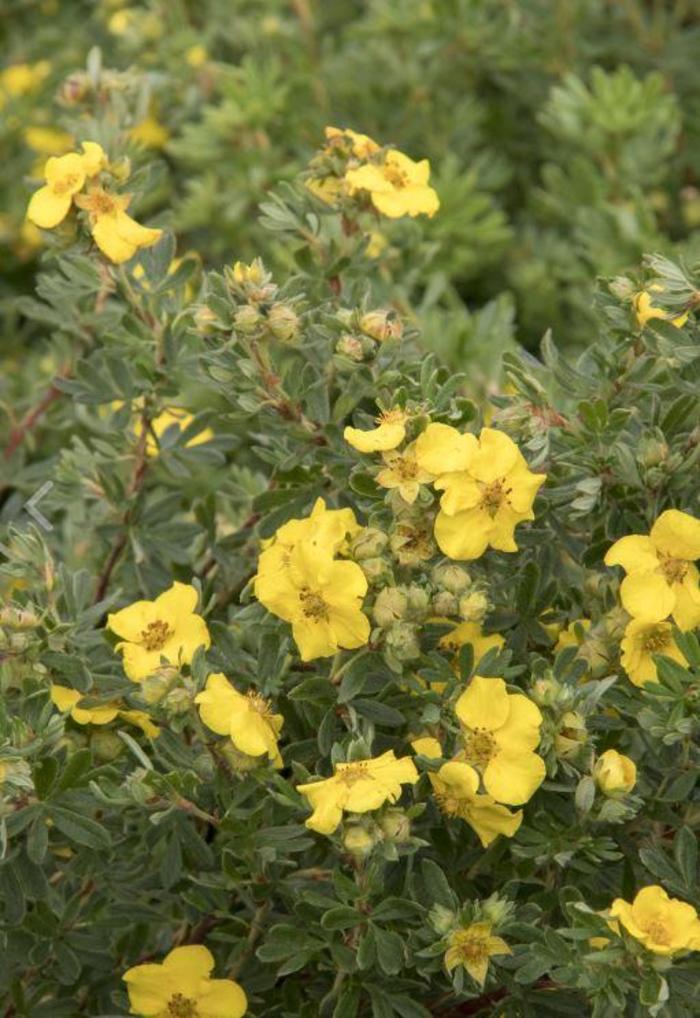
x,y
70,701
397,186
65,176
117,235
471,947
301,581
661,578
488,489
182,987
167,628
357,787
500,732
246,718
641,642
403,472
663,925
456,790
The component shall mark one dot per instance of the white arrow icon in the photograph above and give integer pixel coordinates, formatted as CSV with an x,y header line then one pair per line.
x,y
30,505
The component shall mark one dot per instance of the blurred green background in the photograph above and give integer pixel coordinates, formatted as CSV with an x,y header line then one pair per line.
x,y
564,137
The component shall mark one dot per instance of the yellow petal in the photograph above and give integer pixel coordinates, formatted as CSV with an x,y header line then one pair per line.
x,y
427,746
488,819
635,553
520,733
47,209
464,536
134,233
94,158
514,779
460,778
496,456
441,449
380,439
63,697
130,622
138,662
484,704
67,171
187,967
677,534
647,596
149,989
177,603
110,242
686,612
222,998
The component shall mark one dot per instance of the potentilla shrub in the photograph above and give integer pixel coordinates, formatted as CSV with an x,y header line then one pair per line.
x,y
328,689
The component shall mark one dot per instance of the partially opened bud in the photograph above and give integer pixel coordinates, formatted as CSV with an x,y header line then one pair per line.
x,y
615,774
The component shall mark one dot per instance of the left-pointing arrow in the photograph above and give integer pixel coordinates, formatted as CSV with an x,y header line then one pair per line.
x,y
30,505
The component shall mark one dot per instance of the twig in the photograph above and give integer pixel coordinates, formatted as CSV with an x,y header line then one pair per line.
x,y
254,933
29,421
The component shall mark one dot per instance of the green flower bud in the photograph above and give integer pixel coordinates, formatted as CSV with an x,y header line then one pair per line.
x,y
283,323
395,826
444,603
239,762
106,745
391,606
381,325
369,543
351,347
247,319
402,641
442,919
418,601
450,577
15,617
572,735
204,319
473,607
358,842
375,569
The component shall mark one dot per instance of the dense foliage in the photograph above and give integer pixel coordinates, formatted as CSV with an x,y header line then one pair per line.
x,y
337,681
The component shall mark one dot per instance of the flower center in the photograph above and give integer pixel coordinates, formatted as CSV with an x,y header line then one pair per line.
x,y
156,635
258,703
493,496
395,416
658,932
101,204
674,569
182,1007
67,183
351,773
479,746
395,175
656,639
313,605
471,947
405,468
449,804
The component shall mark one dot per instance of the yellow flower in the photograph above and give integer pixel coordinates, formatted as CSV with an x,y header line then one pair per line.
x,y
165,628
397,186
361,145
150,133
326,528
169,418
428,746
642,640
182,987
326,189
663,925
320,597
645,310
501,730
403,471
661,578
65,176
471,632
22,79
441,449
116,234
94,158
48,141
69,700
456,789
471,947
390,432
196,55
487,491
245,718
615,773
357,787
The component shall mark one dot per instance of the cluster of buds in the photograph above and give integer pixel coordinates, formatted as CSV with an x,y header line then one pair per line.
x,y
364,332
390,832
656,462
261,313
167,687
398,613
565,723
367,549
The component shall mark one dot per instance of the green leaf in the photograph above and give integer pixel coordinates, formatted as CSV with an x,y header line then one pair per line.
x,y
79,828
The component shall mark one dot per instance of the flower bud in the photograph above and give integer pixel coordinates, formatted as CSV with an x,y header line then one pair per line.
x,y
652,452
239,762
249,274
451,577
121,169
136,785
283,323
572,735
204,318
369,543
18,618
391,606
473,607
615,774
247,319
442,919
418,601
545,692
402,642
351,347
106,745
178,700
157,685
376,570
74,89
444,603
395,826
358,842
381,325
